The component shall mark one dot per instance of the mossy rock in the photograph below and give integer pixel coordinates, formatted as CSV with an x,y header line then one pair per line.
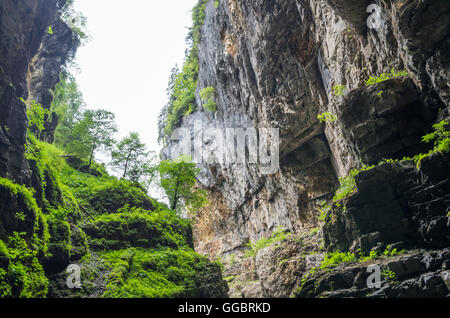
x,y
59,247
79,243
19,212
138,228
113,195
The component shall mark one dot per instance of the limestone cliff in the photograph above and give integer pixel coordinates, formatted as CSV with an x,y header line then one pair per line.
x,y
281,64
30,63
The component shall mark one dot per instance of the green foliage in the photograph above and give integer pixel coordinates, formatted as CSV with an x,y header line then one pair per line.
x,y
441,139
386,76
390,276
208,95
18,200
336,258
50,30
327,117
23,277
339,90
77,22
279,235
348,184
178,179
373,255
389,252
216,4
69,106
36,117
324,210
138,228
183,84
111,195
164,273
131,157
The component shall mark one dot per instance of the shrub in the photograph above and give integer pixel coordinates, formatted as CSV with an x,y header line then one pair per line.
x,y
339,90
441,139
208,94
327,118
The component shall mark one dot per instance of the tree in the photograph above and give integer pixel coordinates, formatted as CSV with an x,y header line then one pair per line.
x,y
93,132
69,106
178,179
100,130
130,155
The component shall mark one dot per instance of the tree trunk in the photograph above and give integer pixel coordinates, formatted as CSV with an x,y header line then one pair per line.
x,y
91,157
175,197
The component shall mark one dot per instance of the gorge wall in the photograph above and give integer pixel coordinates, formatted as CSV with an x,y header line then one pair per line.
x,y
277,64
30,63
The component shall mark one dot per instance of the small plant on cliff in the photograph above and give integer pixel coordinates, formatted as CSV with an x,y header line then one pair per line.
x,y
208,94
336,258
390,277
348,184
324,209
339,90
386,76
327,117
441,139
279,235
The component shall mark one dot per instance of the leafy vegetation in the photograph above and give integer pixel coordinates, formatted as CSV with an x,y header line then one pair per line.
x,y
208,94
327,117
386,76
441,139
131,156
339,90
158,273
183,83
178,179
24,276
279,235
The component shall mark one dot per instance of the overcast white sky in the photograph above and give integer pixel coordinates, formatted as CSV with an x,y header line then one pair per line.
x,y
126,65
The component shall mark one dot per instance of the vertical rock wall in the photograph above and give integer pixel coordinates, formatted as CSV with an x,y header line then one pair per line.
x,y
274,64
30,61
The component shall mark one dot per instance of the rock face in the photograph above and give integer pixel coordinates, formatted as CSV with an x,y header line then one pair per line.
x,y
276,64
30,61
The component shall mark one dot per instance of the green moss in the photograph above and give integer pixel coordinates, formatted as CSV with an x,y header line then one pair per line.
x,y
155,273
21,276
20,213
138,228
